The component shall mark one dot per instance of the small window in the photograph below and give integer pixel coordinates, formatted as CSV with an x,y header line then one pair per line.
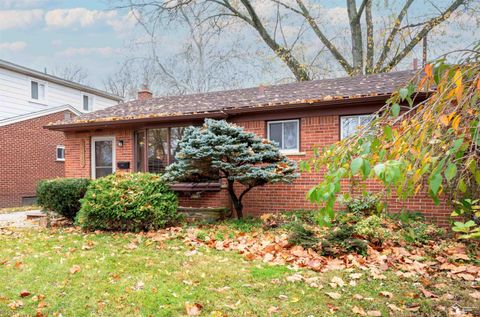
x,y
37,90
60,153
350,124
285,133
87,103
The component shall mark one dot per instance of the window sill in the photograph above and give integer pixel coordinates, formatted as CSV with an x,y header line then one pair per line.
x,y
196,187
60,160
294,153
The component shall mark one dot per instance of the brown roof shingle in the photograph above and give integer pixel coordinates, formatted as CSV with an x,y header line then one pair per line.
x,y
314,91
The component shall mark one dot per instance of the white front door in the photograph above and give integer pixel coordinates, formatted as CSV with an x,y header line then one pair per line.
x,y
103,156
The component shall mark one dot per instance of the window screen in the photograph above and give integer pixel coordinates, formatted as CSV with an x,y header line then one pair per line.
x,y
285,133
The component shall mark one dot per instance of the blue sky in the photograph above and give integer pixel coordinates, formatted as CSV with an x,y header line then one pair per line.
x,y
57,33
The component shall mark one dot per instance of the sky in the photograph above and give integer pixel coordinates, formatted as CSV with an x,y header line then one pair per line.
x,y
43,34
50,34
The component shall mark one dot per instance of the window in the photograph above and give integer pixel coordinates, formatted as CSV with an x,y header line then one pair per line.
x,y
350,124
60,151
156,148
37,90
87,102
285,133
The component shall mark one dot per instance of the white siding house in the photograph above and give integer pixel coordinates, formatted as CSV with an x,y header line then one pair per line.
x,y
25,92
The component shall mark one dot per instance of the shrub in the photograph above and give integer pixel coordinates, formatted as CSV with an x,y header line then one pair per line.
x,y
303,237
371,228
62,195
367,204
419,232
342,240
128,202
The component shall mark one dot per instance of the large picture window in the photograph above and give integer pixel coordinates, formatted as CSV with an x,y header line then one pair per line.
x,y
286,133
350,124
156,148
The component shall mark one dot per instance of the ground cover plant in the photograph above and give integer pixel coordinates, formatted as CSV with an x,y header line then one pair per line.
x,y
227,270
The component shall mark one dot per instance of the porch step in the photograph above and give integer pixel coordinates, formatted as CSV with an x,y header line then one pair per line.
x,y
205,214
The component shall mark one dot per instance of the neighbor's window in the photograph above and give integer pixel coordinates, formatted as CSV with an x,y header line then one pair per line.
x,y
87,102
60,153
156,148
350,124
285,133
37,90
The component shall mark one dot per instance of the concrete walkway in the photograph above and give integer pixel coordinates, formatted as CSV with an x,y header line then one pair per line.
x,y
19,219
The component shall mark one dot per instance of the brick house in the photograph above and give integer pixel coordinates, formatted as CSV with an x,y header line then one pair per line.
x,y
142,135
28,101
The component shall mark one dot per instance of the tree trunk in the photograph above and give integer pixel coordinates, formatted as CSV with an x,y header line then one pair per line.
x,y
356,33
237,204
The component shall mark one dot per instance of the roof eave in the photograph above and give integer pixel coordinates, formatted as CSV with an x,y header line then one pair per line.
x,y
223,114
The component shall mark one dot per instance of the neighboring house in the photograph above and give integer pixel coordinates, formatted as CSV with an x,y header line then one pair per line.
x,y
142,135
28,101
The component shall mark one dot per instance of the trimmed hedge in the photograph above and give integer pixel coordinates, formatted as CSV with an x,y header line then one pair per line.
x,y
128,202
62,195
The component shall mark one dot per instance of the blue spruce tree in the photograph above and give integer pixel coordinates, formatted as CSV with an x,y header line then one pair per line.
x,y
220,150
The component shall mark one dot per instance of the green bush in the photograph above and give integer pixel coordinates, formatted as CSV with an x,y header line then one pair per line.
x,y
128,202
303,237
342,240
367,204
371,228
62,195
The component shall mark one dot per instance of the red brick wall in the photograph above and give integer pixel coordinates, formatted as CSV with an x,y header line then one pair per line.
x,y
27,155
316,131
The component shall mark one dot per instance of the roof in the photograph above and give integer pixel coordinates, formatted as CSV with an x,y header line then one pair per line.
x,y
54,79
36,114
257,98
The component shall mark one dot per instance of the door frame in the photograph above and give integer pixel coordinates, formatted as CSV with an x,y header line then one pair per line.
x,y
92,153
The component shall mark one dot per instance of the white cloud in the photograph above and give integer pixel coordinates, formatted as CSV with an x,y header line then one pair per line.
x,y
12,46
85,51
10,19
82,17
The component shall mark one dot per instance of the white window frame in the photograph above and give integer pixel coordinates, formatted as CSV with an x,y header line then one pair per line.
x,y
59,159
92,153
358,116
91,99
39,82
286,151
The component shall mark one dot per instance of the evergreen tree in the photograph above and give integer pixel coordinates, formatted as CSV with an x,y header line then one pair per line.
x,y
222,150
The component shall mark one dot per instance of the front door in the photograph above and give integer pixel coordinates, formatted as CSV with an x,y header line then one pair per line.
x,y
103,156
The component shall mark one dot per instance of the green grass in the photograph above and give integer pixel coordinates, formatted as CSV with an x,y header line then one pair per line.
x,y
157,279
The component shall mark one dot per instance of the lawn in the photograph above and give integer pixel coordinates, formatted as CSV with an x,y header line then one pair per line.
x,y
68,272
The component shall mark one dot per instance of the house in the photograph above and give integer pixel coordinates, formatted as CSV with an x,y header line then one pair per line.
x,y
143,135
29,100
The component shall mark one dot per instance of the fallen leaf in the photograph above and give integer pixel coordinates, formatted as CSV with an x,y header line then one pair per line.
x,y
138,286
337,280
294,278
374,313
427,294
75,269
393,307
358,296
466,277
273,309
355,276
24,293
334,295
475,295
358,311
386,294
193,309
15,304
